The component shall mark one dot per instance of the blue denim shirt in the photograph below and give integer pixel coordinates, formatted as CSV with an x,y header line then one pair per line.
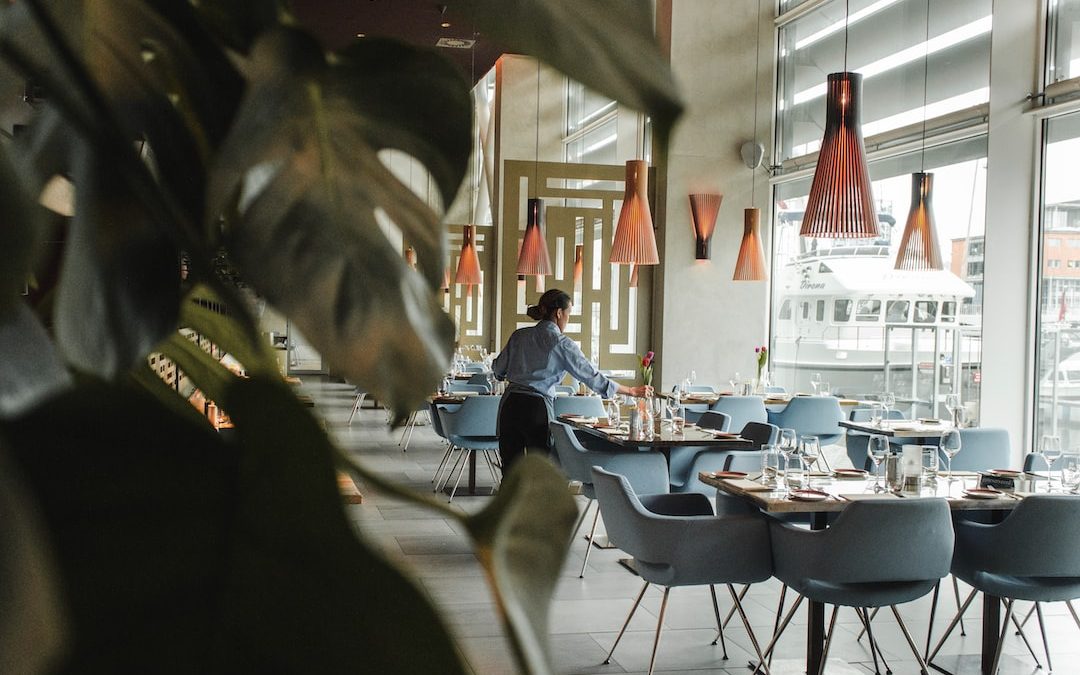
x,y
540,356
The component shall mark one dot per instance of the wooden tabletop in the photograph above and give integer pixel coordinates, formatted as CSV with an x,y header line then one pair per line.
x,y
844,491
900,428
692,435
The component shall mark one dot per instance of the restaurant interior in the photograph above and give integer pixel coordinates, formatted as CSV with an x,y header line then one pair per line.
x,y
857,451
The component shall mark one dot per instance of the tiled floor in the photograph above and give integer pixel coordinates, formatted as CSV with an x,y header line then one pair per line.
x,y
587,613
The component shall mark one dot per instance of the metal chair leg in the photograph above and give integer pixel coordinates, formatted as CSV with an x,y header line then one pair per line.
x,y
737,600
952,625
719,623
828,640
405,429
956,593
873,615
442,463
626,623
461,472
356,406
659,627
1001,638
588,544
910,641
1072,610
875,648
1023,636
777,633
933,612
731,612
581,518
453,468
1042,629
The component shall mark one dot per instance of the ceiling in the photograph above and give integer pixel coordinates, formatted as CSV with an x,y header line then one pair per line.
x,y
418,22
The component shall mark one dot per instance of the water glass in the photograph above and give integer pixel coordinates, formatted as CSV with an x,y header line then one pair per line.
x,y
810,446
735,381
888,401
876,410
877,449
770,464
929,464
613,413
815,382
1070,471
795,475
678,425
950,445
824,389
954,405
674,404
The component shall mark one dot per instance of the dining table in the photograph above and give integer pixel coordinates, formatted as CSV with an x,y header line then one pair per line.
x,y
843,488
691,435
901,429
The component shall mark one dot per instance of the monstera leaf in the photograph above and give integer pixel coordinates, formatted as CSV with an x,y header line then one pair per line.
x,y
303,157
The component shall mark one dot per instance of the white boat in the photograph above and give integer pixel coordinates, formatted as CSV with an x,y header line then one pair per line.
x,y
847,314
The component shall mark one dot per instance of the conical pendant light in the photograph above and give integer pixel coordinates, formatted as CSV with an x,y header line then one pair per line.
x,y
579,266
750,265
533,258
410,257
446,280
841,204
468,269
633,275
635,241
703,210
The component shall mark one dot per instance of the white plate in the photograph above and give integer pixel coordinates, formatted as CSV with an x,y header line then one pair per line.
x,y
808,496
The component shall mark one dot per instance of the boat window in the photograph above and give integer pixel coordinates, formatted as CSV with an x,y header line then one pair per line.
x,y
896,311
948,311
1074,375
925,311
841,312
820,310
785,311
805,310
823,268
868,310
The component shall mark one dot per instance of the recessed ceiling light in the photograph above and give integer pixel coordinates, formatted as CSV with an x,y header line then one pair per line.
x,y
360,35
445,24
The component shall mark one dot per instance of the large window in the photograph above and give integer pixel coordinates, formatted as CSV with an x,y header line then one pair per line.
x,y
1063,44
886,41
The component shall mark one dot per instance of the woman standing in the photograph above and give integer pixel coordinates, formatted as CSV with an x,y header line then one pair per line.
x,y
534,360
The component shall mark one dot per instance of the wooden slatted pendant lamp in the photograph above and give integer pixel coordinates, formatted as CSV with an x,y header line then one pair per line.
x,y
703,211
634,241
750,265
533,258
468,269
919,249
579,266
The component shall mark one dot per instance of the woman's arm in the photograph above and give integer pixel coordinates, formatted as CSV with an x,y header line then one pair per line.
x,y
639,391
582,370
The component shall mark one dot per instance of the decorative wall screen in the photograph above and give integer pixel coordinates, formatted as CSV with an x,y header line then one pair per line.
x,y
471,311
611,320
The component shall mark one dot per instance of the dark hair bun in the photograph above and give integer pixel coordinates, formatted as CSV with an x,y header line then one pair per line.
x,y
534,312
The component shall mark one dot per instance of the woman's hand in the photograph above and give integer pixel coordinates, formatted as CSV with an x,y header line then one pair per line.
x,y
639,391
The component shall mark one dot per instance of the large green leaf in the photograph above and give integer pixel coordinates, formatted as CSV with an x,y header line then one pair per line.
x,y
304,152
325,602
31,623
607,45
231,335
238,22
30,368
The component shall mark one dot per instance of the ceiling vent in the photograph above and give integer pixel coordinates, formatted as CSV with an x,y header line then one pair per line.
x,y
455,43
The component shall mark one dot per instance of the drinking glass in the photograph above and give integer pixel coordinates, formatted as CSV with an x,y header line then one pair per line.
x,y
876,416
877,448
491,382
888,401
692,377
1050,449
735,380
815,382
674,404
1070,471
954,405
824,389
613,413
770,464
788,443
811,450
929,464
950,445
795,474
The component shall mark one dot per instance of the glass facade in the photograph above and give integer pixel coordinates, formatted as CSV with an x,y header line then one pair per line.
x,y
1063,41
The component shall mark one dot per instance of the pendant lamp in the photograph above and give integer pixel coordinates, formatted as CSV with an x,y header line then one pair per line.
x,y
750,265
410,257
633,275
841,204
468,269
919,248
703,210
446,280
635,241
533,258
579,266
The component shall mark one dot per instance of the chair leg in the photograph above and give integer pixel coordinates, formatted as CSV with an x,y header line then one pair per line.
x,y
933,612
442,463
719,623
873,615
581,518
405,429
461,472
737,600
1023,636
952,625
1072,610
453,468
1001,638
828,640
356,407
875,648
731,612
779,613
1046,645
910,641
626,623
1027,617
659,627
588,544
495,482
777,633
956,594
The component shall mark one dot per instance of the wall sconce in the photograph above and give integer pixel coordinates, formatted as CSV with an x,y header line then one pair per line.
x,y
703,210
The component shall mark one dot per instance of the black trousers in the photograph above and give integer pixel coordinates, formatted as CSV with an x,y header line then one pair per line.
x,y
523,425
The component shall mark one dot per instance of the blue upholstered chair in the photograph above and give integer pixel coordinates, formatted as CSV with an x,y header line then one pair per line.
x,y
472,428
856,441
479,378
465,387
742,409
876,554
436,425
691,412
775,389
682,459
1033,555
646,472
983,448
813,416
686,463
475,367
586,406
710,419
676,541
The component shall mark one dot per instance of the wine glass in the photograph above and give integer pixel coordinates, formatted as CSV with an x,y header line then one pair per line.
x,y
692,377
1070,471
674,404
815,382
950,445
877,448
613,413
491,381
1050,449
788,444
735,380
811,450
954,405
888,399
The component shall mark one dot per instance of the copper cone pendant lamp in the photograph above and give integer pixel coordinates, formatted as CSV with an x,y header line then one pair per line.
x,y
468,269
703,210
579,266
533,258
410,257
635,241
750,265
919,248
446,280
841,204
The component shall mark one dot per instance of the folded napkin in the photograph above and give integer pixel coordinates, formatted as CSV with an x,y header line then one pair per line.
x,y
867,496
